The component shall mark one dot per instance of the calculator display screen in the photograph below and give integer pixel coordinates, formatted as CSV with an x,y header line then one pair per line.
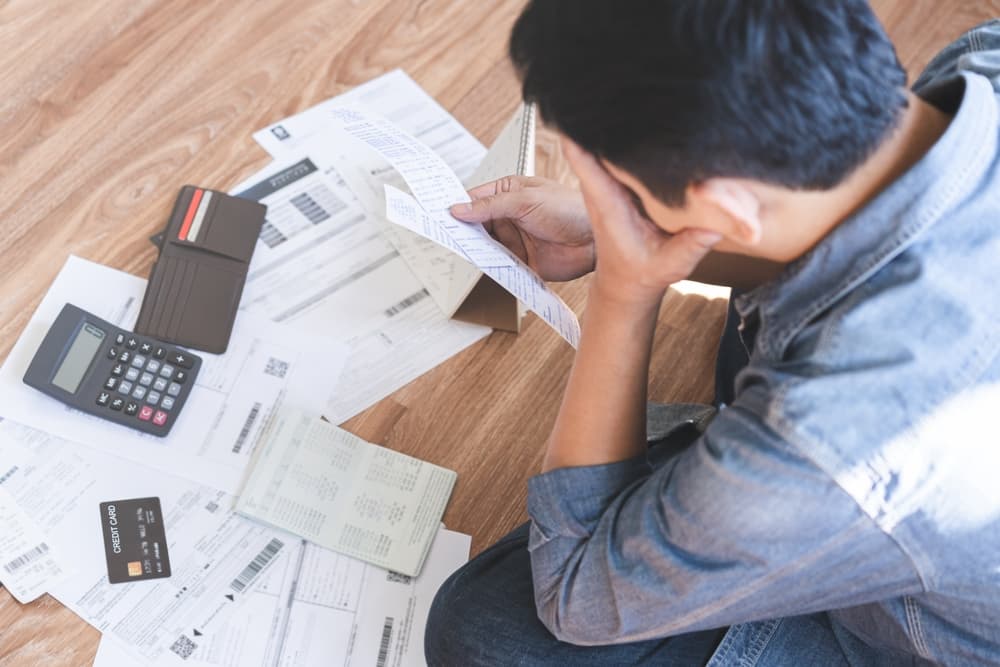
x,y
77,361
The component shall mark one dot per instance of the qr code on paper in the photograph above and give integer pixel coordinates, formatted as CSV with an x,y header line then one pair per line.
x,y
276,367
183,647
397,578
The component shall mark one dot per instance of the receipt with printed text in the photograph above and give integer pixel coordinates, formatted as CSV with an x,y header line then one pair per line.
x,y
217,557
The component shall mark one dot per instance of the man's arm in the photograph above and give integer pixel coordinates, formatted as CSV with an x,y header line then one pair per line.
x,y
740,526
602,416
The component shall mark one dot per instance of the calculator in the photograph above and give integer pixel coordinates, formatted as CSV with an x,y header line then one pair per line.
x,y
94,366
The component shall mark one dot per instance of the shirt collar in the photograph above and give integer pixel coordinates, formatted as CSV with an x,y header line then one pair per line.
x,y
871,237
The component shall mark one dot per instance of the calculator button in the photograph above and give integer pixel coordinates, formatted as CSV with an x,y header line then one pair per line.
x,y
132,374
180,377
160,384
145,348
112,352
139,392
159,352
117,403
153,366
118,369
125,357
146,413
131,408
131,343
125,387
153,397
138,361
103,398
174,389
120,339
160,418
166,371
110,383
168,403
181,359
146,379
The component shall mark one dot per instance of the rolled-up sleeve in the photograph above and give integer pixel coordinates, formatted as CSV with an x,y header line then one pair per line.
x,y
740,526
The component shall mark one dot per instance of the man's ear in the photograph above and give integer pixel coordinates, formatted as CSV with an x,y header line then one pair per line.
x,y
737,203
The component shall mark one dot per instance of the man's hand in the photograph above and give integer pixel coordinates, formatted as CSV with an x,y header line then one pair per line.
x,y
636,259
542,222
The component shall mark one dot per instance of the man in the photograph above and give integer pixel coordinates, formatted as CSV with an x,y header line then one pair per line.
x,y
842,507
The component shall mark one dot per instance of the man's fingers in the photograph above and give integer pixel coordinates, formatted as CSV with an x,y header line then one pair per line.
x,y
686,250
505,184
492,207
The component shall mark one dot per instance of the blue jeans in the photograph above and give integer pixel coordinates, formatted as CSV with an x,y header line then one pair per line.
x,y
485,615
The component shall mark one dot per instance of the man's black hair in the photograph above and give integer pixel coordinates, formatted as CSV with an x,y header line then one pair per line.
x,y
792,92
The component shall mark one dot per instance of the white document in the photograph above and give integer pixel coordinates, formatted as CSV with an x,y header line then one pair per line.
x,y
29,566
316,608
394,96
322,265
335,489
397,97
266,366
435,187
216,556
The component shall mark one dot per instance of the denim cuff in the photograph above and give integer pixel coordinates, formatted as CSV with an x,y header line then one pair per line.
x,y
570,501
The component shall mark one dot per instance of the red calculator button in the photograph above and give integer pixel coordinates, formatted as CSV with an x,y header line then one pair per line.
x,y
160,418
145,413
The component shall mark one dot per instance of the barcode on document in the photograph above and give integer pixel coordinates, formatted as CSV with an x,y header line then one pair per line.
x,y
247,427
26,558
308,207
270,235
407,302
7,475
256,565
383,647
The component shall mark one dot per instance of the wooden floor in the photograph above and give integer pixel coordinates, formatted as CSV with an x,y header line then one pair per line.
x,y
108,106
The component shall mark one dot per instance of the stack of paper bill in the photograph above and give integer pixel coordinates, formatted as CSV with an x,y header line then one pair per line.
x,y
336,296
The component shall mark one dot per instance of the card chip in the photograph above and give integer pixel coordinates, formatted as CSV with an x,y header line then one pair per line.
x,y
134,568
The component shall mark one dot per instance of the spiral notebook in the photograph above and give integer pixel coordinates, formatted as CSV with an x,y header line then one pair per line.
x,y
476,297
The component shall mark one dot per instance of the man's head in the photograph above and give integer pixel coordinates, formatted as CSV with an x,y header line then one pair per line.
x,y
687,99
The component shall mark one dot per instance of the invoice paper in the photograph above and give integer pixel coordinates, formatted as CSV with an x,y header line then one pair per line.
x,y
28,566
322,265
341,492
266,365
217,557
435,188
315,608
397,97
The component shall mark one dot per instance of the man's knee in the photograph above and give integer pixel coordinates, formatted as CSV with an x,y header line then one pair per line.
x,y
446,638
476,613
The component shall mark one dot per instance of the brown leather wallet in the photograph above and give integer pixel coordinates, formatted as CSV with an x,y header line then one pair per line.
x,y
195,286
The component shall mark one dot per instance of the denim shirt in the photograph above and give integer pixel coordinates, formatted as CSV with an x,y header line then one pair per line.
x,y
857,471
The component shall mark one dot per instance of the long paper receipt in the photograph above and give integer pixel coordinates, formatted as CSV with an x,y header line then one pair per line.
x,y
343,493
435,187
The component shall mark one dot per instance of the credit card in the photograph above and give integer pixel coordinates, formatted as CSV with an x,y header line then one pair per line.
x,y
135,544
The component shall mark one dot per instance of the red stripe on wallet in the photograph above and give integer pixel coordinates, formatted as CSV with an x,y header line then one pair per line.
x,y
189,216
